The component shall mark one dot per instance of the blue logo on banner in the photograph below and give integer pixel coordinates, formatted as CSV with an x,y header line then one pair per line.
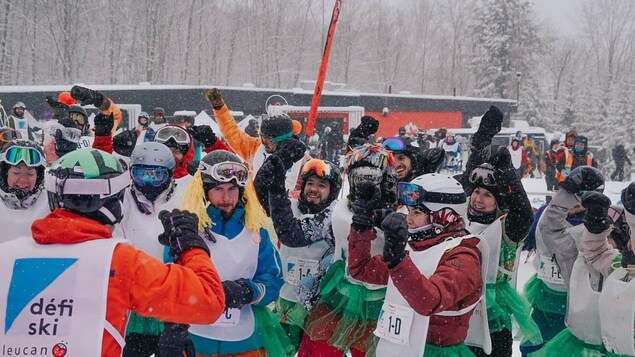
x,y
30,277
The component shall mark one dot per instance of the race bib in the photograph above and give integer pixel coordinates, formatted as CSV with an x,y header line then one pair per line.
x,y
394,323
299,268
229,318
549,271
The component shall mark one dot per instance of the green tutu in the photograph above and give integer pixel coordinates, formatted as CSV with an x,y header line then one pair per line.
x,y
346,312
566,344
276,341
502,302
292,316
540,296
143,325
459,350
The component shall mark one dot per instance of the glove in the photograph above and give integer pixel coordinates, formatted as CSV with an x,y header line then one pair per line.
x,y
380,214
490,125
237,293
501,159
366,200
396,235
596,219
275,173
180,232
53,103
124,142
175,341
583,178
215,98
66,137
192,167
628,198
431,159
204,134
104,124
290,151
87,96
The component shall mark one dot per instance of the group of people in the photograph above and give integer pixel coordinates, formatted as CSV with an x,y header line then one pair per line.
x,y
257,249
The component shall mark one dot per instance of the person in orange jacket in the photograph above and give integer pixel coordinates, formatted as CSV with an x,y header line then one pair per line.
x,y
69,288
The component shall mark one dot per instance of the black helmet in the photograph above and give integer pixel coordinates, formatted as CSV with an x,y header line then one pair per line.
x,y
14,153
324,170
221,166
584,178
277,127
79,116
89,182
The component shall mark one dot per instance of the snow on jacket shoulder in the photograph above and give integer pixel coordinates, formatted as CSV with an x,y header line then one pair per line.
x,y
189,293
243,144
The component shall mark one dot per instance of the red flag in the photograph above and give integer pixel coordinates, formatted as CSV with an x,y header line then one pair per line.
x,y
317,94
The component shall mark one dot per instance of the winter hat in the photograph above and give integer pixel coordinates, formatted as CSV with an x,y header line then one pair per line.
x,y
493,180
211,159
277,127
581,140
373,155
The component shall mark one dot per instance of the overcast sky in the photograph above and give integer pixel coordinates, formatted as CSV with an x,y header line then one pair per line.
x,y
560,13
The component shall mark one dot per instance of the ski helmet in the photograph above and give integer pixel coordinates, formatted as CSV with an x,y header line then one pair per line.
x,y
221,166
151,169
373,163
19,105
79,116
582,140
587,178
324,170
440,196
277,127
89,182
14,153
143,115
399,146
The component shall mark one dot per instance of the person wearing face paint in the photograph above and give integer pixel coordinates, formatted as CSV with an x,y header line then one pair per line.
x,y
351,291
233,224
576,156
22,166
305,234
273,130
436,273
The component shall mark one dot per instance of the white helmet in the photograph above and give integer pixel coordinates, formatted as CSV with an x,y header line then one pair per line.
x,y
434,192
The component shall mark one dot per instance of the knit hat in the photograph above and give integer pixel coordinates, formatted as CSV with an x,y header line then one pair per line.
x,y
277,127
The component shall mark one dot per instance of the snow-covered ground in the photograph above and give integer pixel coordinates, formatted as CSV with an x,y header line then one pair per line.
x,y
537,188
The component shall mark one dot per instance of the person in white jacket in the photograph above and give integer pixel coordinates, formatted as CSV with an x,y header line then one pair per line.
x,y
22,166
152,190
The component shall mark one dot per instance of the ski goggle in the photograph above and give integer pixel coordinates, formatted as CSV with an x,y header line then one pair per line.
x,y
319,167
394,144
225,172
8,135
413,195
16,154
366,174
166,133
78,118
154,176
484,175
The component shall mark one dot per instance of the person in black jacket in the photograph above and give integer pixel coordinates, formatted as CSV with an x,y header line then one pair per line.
x,y
620,157
304,230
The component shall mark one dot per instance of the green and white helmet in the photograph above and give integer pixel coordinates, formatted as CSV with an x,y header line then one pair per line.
x,y
89,182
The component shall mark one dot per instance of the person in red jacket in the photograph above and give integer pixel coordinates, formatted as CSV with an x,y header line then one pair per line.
x,y
70,287
432,267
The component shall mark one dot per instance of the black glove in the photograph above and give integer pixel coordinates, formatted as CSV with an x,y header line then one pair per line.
x,y
192,167
180,232
87,96
175,341
490,125
104,124
124,142
596,219
270,179
380,214
215,98
204,134
583,178
53,103
368,126
501,159
237,293
628,198
67,138
396,235
366,200
431,159
290,151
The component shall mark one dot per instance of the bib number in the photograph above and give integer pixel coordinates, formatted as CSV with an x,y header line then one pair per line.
x,y
394,323
299,268
229,318
549,270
